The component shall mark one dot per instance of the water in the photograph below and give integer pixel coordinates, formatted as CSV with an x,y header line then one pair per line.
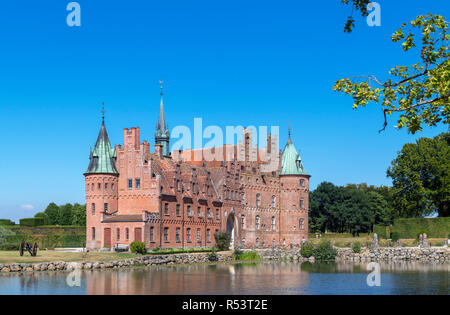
x,y
243,278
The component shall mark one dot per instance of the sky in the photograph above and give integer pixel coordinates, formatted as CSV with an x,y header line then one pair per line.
x,y
246,62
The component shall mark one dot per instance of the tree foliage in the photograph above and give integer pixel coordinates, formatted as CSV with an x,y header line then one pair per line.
x,y
67,214
421,177
357,5
351,209
419,92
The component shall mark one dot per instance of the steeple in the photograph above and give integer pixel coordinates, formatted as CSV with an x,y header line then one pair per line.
x,y
103,157
162,135
291,162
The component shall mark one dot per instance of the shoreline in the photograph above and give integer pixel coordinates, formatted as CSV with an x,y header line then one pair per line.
x,y
382,254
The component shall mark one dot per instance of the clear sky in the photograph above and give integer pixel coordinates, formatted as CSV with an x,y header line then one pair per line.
x,y
251,62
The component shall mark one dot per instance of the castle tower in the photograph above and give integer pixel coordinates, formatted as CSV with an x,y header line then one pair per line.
x,y
101,190
162,135
294,197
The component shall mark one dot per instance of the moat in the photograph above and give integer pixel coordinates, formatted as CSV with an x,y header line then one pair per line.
x,y
241,278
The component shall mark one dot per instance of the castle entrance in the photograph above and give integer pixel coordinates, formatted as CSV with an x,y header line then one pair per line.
x,y
107,237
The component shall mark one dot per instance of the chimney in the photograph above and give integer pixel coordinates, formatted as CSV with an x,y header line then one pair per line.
x,y
158,150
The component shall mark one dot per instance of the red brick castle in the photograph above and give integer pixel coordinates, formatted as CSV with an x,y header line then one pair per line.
x,y
169,200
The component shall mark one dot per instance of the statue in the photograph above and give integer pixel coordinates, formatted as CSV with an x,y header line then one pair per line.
x,y
375,241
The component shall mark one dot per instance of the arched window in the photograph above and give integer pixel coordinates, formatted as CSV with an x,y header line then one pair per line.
x,y
274,199
127,234
242,221
302,224
257,222
302,204
273,223
188,234
93,208
258,200
302,182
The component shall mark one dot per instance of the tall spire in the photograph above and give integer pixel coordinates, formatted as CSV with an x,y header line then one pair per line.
x,y
162,135
161,119
291,162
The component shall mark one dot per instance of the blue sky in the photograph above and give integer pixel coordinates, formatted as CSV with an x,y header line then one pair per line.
x,y
230,63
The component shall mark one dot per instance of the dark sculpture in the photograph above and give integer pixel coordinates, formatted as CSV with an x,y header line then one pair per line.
x,y
27,246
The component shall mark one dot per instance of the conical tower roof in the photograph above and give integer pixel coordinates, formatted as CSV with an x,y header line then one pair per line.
x,y
102,158
291,162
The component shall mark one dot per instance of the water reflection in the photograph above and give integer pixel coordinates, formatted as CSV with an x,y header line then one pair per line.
x,y
243,278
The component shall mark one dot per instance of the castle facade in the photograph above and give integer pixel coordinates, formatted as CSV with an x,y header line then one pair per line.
x,y
171,200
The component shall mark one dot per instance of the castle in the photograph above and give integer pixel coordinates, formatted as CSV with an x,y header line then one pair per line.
x,y
171,200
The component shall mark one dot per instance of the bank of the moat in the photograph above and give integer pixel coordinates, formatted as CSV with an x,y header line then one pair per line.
x,y
430,255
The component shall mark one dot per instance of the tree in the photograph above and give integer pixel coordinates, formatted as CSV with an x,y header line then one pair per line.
x,y
79,215
419,92
52,211
65,214
358,5
421,177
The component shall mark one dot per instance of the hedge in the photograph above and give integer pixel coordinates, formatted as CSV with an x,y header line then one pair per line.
x,y
409,228
382,231
32,222
6,222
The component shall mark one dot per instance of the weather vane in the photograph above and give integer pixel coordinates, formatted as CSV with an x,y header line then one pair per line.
x,y
161,82
103,111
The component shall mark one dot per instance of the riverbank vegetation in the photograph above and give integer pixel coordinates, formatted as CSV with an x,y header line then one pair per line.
x,y
245,255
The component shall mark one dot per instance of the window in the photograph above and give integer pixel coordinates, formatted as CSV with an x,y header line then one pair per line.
x,y
130,184
274,199
106,186
112,187
178,211
302,182
199,236
178,185
177,235
152,234
106,207
189,211
188,234
127,234
273,223
217,214
138,183
118,234
93,233
199,212
93,208
243,221
257,222
166,209
92,187
228,194
208,236
302,224
99,186
258,200
209,213
166,234
302,204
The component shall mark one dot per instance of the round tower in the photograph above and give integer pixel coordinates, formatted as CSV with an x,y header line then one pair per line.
x,y
294,198
101,180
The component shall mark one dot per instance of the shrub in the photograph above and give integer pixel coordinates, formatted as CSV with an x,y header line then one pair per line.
x,y
222,240
6,222
307,250
395,236
138,247
325,251
213,256
240,255
32,222
9,247
356,247
237,254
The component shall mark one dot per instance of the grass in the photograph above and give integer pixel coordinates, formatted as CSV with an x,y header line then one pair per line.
x,y
54,256
346,242
246,256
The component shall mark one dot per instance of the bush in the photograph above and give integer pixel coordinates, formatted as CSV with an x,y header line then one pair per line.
x,y
213,256
138,248
9,247
356,247
240,255
325,251
409,228
307,250
395,236
6,222
32,222
237,254
222,240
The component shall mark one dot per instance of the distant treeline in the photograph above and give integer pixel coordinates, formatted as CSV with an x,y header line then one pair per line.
x,y
67,214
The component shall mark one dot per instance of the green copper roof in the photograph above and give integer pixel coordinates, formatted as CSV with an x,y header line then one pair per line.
x,y
103,157
291,162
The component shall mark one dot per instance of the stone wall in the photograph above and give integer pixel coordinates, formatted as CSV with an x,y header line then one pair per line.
x,y
434,254
188,258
